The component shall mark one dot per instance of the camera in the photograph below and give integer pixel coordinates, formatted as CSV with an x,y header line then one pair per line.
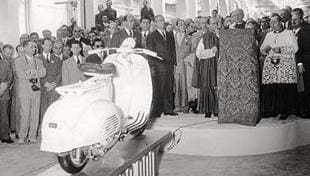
x,y
34,87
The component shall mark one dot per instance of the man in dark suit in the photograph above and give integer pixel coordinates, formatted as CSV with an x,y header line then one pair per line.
x,y
77,36
146,11
128,31
286,18
302,30
51,80
98,17
109,12
96,58
162,71
145,24
6,78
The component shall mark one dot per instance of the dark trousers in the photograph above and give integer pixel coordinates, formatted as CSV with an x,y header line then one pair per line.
x,y
306,94
4,119
47,98
162,93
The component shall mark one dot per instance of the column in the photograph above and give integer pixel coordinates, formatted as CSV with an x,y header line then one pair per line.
x,y
223,8
191,9
205,7
181,11
158,7
87,14
9,28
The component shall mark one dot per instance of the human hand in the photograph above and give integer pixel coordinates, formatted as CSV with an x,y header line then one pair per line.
x,y
267,48
214,49
301,69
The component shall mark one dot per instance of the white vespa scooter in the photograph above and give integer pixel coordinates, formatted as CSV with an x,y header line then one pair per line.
x,y
91,116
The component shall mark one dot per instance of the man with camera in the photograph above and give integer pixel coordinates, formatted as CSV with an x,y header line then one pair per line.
x,y
28,70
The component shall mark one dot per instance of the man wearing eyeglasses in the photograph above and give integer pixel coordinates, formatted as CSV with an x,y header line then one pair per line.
x,y
77,36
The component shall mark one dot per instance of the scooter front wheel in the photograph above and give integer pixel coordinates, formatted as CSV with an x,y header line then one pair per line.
x,y
73,162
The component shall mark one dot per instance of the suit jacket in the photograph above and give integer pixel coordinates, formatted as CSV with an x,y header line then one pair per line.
x,y
119,36
143,39
53,70
70,71
94,58
303,39
22,67
98,20
182,50
110,13
164,49
6,76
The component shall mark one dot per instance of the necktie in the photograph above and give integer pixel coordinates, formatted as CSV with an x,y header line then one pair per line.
x,y
48,58
78,61
164,35
130,33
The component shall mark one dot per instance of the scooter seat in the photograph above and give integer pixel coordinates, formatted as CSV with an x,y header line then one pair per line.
x,y
97,68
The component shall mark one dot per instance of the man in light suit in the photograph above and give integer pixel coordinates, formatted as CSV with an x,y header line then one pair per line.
x,y
162,43
182,45
29,70
128,31
52,79
70,71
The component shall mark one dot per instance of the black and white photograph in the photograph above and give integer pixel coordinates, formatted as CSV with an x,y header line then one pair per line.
x,y
155,87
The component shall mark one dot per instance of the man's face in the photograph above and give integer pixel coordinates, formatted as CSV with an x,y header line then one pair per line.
x,y
130,23
76,32
30,49
109,3
145,25
20,50
214,13
98,44
100,8
213,24
284,15
34,37
181,26
47,46
76,49
23,37
92,36
204,23
265,23
296,21
275,23
237,16
66,51
145,3
57,48
160,22
47,34
65,31
8,52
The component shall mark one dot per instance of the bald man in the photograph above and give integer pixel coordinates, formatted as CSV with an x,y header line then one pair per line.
x,y
237,17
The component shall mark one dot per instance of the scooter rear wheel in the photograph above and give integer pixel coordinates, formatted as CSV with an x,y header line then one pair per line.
x,y
70,163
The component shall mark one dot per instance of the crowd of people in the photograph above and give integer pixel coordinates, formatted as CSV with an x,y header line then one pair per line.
x,y
185,81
